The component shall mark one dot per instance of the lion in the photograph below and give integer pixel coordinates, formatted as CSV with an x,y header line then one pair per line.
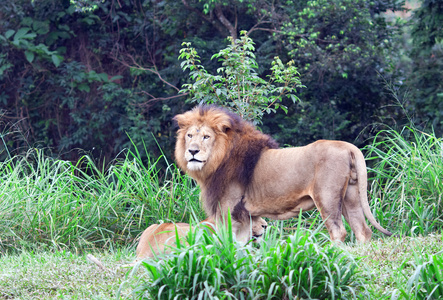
x,y
158,239
242,171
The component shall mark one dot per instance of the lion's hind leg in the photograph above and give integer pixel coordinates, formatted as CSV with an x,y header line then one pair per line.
x,y
336,229
331,215
328,198
354,215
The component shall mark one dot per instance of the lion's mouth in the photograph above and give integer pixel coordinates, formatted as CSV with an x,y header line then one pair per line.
x,y
257,236
195,160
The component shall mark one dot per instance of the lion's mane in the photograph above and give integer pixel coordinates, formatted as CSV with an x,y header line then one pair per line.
x,y
237,149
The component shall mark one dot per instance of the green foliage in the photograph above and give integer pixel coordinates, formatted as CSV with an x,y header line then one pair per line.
x,y
22,39
346,34
52,202
341,47
65,87
55,57
34,39
304,265
426,77
237,84
306,268
407,188
427,280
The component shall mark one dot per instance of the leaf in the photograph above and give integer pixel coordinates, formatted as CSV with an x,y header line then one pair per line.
x,y
27,21
117,77
64,27
88,20
103,77
22,33
56,59
42,49
4,67
84,87
70,10
9,33
41,27
29,56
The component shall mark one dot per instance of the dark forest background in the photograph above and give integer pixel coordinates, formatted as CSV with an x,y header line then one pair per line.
x,y
103,76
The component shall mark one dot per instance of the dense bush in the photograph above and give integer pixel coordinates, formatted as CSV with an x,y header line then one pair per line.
x,y
426,77
85,74
342,48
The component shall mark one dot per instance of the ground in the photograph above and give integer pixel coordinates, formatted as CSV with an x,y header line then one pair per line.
x,y
387,262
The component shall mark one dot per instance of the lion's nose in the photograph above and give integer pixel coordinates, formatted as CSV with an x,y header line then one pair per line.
x,y
264,226
193,152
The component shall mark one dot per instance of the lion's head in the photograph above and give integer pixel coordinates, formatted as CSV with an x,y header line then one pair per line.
x,y
216,147
202,140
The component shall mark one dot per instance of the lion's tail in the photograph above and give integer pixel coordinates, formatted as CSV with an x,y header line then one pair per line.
x,y
362,179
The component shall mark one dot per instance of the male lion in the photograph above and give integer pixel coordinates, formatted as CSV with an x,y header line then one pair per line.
x,y
241,170
158,238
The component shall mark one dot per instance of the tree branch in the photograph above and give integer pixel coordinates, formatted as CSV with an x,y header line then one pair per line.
x,y
210,19
137,66
221,17
153,99
133,64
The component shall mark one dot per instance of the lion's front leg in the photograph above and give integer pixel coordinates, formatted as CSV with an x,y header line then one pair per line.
x,y
242,231
239,229
249,228
253,229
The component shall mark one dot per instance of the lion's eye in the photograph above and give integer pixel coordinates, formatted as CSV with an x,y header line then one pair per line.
x,y
206,137
189,135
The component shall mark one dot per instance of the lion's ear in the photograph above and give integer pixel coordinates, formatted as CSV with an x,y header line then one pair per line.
x,y
180,120
224,125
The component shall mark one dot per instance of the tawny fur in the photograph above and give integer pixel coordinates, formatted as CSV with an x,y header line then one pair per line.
x,y
240,170
158,239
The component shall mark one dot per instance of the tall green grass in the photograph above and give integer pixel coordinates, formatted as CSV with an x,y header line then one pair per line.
x,y
51,202
427,280
407,187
